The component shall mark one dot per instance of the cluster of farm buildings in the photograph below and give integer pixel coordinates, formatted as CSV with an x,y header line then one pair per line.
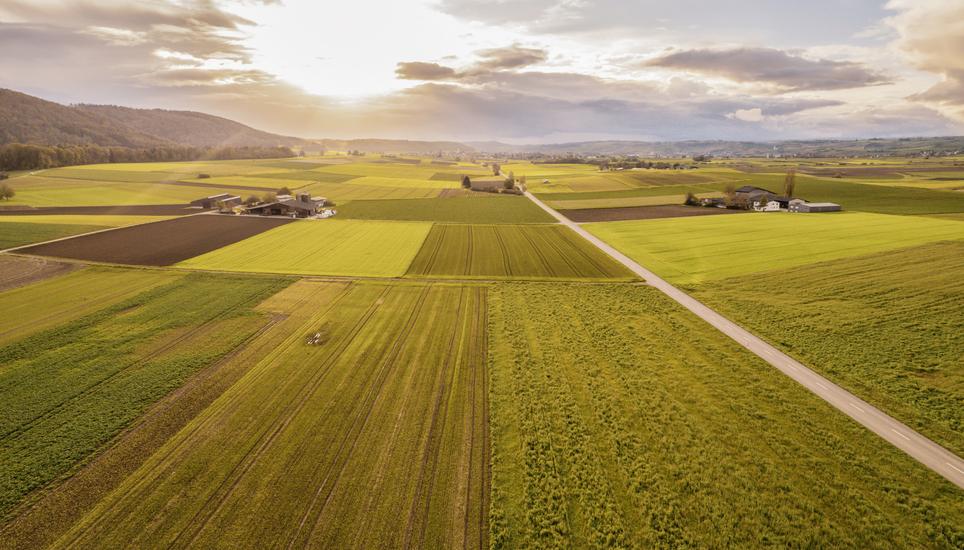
x,y
764,200
302,205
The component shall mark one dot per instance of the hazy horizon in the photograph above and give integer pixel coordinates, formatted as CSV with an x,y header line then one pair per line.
x,y
521,73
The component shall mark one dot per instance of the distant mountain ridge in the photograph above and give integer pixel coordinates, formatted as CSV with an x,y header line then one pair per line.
x,y
28,119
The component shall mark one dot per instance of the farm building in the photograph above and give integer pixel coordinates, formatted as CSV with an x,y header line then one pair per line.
x,y
800,205
750,195
304,206
226,199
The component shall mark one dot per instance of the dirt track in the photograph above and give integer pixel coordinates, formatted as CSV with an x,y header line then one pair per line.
x,y
641,213
162,243
130,210
18,271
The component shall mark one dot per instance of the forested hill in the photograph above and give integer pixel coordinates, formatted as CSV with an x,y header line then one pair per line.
x,y
189,127
28,119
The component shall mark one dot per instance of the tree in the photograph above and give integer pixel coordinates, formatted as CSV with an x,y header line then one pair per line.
x,y
729,195
789,183
6,192
203,176
522,180
268,197
508,184
512,176
284,191
466,182
496,168
691,199
252,200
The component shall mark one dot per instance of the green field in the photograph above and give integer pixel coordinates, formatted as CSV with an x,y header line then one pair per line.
x,y
512,251
626,201
618,420
21,230
485,209
322,247
375,438
881,199
889,327
67,390
697,249
42,305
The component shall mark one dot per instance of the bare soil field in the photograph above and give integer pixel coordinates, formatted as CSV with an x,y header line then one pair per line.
x,y
161,243
642,213
18,271
128,210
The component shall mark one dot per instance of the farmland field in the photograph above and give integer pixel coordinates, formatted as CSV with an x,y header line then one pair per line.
x,y
698,249
21,230
67,390
161,243
375,437
322,247
512,251
620,421
643,213
17,271
626,202
42,305
485,209
889,327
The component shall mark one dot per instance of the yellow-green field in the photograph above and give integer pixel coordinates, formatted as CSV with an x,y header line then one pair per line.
x,y
698,249
323,247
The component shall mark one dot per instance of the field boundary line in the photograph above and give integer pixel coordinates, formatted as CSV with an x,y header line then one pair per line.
x,y
915,445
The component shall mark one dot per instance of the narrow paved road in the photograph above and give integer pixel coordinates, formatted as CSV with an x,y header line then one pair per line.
x,y
924,450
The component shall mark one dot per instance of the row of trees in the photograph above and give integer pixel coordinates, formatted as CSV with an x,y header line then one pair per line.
x,y
19,156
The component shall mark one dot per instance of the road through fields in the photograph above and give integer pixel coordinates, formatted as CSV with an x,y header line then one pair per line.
x,y
922,449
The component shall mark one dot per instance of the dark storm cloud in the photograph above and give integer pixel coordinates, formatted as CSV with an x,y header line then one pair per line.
x,y
418,70
770,66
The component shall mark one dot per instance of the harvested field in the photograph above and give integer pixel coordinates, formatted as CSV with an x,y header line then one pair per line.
x,y
374,438
14,234
620,420
117,210
643,213
161,243
322,247
67,391
517,251
17,271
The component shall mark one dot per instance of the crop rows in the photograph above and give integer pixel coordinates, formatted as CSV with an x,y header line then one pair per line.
x,y
525,252
65,391
620,421
375,436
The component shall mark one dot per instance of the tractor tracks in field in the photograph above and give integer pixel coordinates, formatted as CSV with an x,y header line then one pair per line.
x,y
136,494
215,503
351,436
421,503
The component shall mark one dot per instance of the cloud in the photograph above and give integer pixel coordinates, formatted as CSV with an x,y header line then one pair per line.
x,y
769,66
418,70
511,57
747,115
932,36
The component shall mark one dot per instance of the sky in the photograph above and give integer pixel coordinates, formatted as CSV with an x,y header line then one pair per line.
x,y
517,71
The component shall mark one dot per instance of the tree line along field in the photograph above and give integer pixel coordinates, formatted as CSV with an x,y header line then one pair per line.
x,y
375,437
68,389
889,327
619,421
512,251
693,250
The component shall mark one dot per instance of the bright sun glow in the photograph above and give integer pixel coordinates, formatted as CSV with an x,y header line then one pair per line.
x,y
350,49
